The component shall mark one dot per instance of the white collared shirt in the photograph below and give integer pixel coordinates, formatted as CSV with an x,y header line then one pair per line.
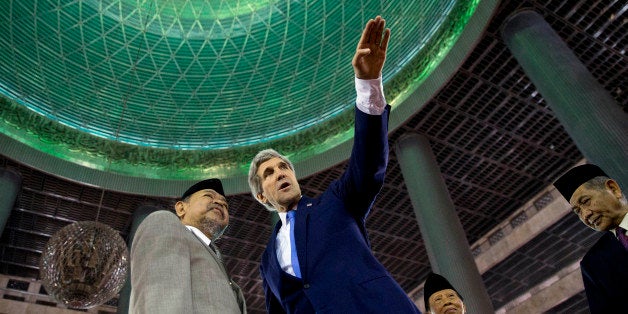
x,y
200,234
283,246
370,96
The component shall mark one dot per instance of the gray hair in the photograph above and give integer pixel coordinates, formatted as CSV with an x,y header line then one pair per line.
x,y
599,183
255,182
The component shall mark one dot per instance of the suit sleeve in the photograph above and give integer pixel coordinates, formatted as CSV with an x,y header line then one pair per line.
x,y
364,177
160,267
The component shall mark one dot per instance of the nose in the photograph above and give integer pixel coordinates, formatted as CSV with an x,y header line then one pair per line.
x,y
220,203
280,175
586,214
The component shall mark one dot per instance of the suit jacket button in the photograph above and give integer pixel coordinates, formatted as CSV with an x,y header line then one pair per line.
x,y
306,286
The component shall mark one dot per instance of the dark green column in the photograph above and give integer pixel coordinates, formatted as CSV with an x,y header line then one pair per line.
x,y
10,184
445,240
595,122
125,294
274,218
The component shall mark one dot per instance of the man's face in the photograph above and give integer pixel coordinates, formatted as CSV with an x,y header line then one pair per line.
x,y
279,184
206,210
446,301
599,209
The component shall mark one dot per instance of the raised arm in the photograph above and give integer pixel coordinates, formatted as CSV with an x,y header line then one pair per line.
x,y
364,176
370,54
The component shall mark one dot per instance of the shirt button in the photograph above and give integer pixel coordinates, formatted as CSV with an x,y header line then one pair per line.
x,y
306,286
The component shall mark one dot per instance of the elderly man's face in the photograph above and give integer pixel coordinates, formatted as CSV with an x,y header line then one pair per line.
x,y
206,210
446,301
599,209
280,187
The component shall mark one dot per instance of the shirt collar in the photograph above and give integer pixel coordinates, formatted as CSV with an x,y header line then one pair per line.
x,y
199,234
623,224
282,217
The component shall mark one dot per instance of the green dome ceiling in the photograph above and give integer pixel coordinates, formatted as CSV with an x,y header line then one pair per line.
x,y
183,89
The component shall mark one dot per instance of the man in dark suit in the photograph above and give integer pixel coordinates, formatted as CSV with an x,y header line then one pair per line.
x,y
175,267
600,204
332,269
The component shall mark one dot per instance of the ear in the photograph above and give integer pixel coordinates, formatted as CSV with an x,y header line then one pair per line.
x,y
180,209
613,187
261,198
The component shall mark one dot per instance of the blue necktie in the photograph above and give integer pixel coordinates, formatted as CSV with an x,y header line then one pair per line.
x,y
293,245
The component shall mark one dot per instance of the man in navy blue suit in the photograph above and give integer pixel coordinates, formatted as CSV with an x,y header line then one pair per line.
x,y
332,268
600,204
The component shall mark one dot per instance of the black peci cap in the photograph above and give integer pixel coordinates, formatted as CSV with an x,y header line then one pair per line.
x,y
575,177
433,284
212,183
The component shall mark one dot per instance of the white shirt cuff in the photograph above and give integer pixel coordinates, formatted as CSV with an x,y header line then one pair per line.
x,y
370,96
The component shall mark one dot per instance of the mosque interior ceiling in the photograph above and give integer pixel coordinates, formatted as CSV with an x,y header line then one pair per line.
x,y
156,93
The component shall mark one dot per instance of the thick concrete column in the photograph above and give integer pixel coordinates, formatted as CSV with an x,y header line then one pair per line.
x,y
138,216
445,241
10,184
590,115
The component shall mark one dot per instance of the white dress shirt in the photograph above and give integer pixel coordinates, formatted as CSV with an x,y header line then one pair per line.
x,y
370,96
200,235
283,245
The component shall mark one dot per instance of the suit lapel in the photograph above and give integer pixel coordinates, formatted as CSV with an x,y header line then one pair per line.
x,y
300,232
212,253
271,250
234,287
301,222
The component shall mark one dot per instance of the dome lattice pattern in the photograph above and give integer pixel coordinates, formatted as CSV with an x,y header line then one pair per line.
x,y
137,82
